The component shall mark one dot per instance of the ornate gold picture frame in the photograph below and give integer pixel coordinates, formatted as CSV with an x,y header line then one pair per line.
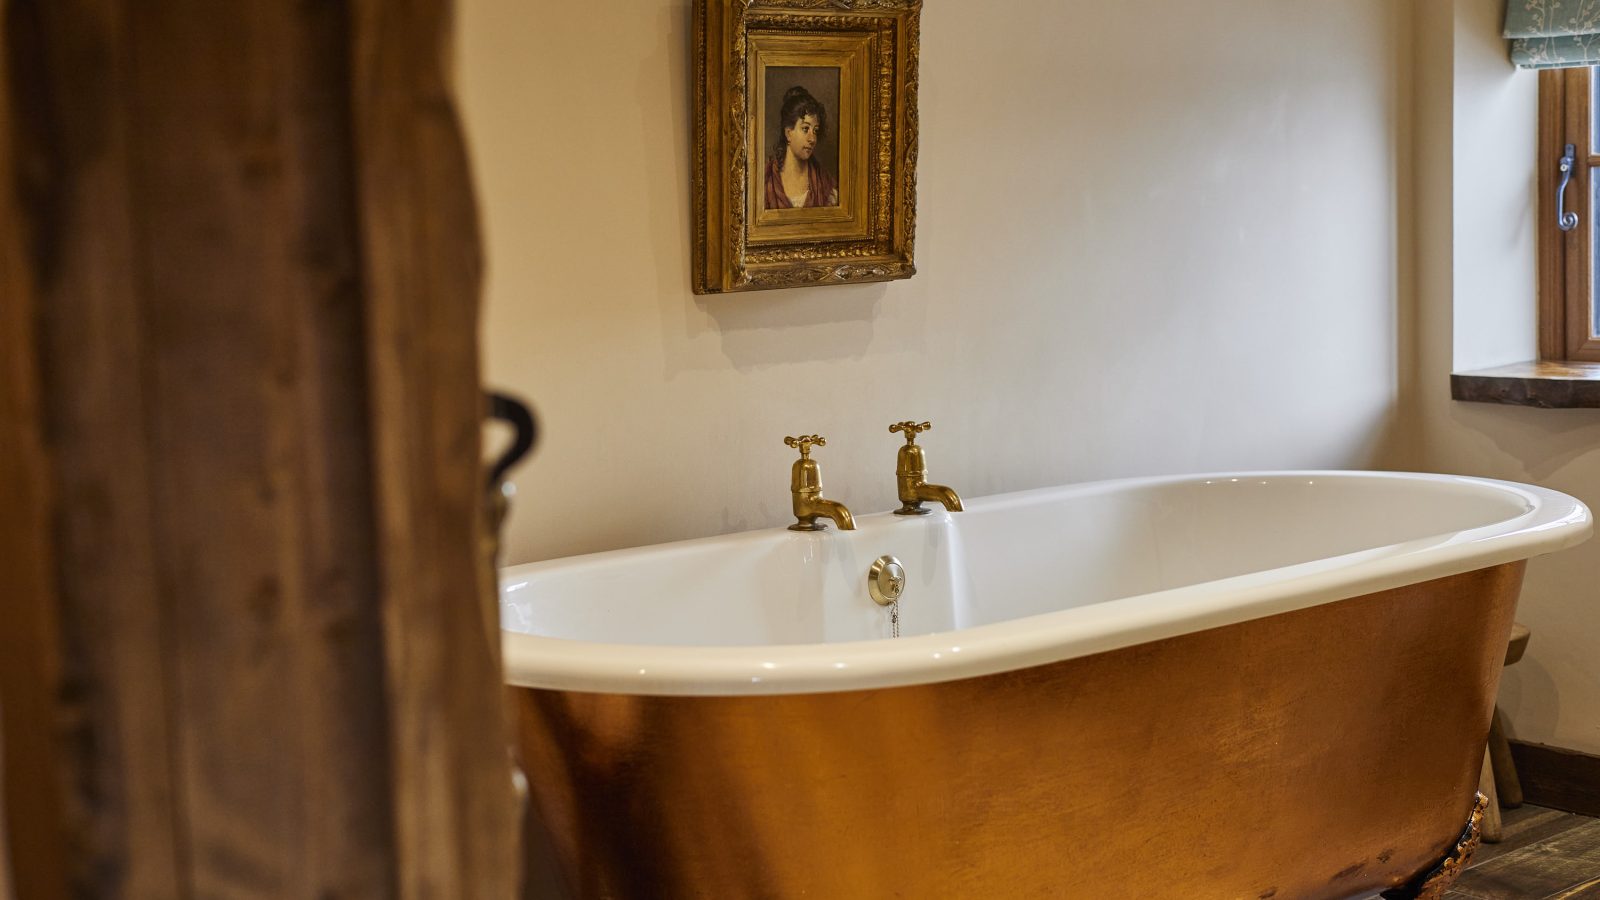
x,y
806,142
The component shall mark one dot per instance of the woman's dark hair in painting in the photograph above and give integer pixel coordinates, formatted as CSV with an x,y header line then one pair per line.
x,y
797,104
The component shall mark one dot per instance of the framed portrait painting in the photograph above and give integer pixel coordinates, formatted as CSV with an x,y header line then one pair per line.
x,y
805,145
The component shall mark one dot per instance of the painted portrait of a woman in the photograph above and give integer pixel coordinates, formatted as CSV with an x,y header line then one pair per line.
x,y
795,178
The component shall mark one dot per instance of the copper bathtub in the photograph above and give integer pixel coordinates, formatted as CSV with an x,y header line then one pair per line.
x,y
1258,686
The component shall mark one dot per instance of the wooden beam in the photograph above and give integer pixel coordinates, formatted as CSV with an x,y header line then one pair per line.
x,y
7,892
31,796
257,403
419,242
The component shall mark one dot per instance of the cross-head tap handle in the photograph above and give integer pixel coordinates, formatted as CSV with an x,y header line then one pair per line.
x,y
805,442
911,429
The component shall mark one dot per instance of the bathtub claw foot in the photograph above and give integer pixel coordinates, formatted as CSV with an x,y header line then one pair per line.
x,y
1433,884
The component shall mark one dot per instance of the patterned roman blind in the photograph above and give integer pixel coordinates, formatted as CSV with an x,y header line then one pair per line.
x,y
1554,34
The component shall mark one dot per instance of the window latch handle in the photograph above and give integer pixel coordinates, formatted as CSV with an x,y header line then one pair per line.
x,y
1564,219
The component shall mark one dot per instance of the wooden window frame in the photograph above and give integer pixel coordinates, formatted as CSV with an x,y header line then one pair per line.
x,y
1566,258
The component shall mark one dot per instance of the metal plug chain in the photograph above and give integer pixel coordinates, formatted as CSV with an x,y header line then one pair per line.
x,y
886,580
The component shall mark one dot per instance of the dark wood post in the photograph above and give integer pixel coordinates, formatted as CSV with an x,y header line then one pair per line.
x,y
254,652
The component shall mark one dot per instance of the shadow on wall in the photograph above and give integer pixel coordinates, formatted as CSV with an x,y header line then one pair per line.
x,y
1527,681
1386,442
791,326
1542,441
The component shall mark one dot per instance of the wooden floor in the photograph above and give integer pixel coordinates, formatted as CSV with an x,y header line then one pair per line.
x,y
1546,855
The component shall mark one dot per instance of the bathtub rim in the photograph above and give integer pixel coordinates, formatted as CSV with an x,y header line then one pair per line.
x,y
1552,521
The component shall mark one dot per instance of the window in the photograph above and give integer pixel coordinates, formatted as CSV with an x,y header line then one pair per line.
x,y
1568,318
1567,373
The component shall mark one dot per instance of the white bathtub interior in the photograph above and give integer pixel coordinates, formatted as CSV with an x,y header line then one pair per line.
x,y
1006,557
1016,579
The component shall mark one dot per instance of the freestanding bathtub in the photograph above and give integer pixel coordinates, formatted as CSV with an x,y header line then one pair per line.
x,y
1269,685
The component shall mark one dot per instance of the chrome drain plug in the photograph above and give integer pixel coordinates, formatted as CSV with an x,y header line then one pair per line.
x,y
886,580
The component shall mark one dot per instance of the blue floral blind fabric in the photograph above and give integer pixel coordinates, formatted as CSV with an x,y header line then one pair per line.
x,y
1554,34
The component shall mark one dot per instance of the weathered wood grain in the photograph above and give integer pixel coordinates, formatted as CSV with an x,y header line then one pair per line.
x,y
1552,240
31,797
6,890
1565,866
1491,818
245,236
78,187
1508,787
1526,826
422,272
1548,385
1559,778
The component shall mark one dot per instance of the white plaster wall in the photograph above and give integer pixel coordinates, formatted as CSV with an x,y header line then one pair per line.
x,y
1495,120
1141,247
1476,303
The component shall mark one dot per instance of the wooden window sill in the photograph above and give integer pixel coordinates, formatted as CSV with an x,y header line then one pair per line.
x,y
1546,384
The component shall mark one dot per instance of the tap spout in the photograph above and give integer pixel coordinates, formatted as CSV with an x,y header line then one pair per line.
x,y
937,493
808,509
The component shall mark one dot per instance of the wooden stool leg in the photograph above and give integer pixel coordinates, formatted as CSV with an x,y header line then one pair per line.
x,y
1505,771
1491,816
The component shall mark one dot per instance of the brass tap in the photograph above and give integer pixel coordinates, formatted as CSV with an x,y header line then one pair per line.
x,y
805,486
911,475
